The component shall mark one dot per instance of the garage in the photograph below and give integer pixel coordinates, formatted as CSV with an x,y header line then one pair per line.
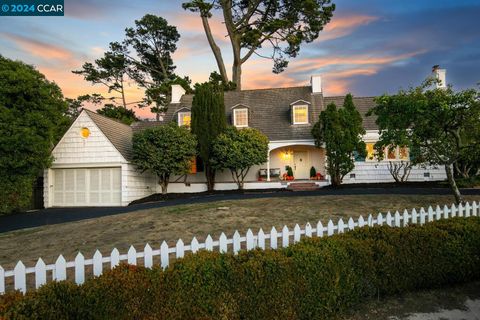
x,y
79,187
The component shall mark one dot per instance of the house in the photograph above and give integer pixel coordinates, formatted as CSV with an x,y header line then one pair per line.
x,y
92,160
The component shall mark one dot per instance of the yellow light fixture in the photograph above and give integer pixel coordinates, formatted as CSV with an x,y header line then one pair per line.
x,y
287,154
85,132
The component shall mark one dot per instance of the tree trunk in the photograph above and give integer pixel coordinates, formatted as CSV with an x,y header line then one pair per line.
x,y
237,75
453,184
210,175
215,49
164,184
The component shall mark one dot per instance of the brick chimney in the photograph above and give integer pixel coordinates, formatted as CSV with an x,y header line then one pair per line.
x,y
441,75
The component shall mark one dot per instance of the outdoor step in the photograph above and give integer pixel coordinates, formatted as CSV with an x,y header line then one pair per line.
x,y
302,186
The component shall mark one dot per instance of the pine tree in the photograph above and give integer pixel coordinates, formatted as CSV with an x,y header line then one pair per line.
x,y
208,121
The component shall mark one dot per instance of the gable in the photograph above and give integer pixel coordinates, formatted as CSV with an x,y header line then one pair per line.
x,y
75,149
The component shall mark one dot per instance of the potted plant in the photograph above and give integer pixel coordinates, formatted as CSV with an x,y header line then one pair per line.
x,y
313,173
289,174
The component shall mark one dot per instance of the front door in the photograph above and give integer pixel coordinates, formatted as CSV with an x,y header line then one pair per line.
x,y
300,166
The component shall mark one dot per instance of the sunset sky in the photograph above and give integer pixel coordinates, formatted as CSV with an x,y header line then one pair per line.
x,y
370,47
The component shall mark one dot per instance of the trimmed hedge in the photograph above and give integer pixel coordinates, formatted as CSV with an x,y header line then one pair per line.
x,y
318,278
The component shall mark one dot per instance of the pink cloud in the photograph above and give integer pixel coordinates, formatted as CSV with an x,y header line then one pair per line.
x,y
341,26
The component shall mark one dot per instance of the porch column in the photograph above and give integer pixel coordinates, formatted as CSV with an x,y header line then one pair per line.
x,y
268,166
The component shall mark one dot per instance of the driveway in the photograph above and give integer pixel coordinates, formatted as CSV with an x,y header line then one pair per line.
x,y
61,215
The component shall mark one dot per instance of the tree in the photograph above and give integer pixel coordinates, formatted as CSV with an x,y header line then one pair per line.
x,y
32,119
339,130
239,150
76,105
436,122
166,150
208,121
110,71
284,25
151,66
112,111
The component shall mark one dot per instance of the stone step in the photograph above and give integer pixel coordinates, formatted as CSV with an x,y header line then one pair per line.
x,y
302,186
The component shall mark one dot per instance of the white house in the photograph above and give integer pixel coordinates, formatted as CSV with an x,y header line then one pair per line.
x,y
92,161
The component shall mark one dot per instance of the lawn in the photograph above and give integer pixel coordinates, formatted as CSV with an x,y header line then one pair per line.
x,y
185,221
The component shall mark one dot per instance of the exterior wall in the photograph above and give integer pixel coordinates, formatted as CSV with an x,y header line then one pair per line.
x,y
136,185
377,172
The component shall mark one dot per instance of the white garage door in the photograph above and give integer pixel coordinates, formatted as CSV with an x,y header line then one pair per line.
x,y
87,187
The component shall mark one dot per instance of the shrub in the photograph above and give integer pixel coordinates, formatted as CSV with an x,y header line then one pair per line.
x,y
313,172
318,278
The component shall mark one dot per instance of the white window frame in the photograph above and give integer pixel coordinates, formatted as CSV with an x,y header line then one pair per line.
x,y
299,106
180,114
235,117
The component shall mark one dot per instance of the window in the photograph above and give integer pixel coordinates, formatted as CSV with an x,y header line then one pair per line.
x,y
370,151
300,114
184,118
240,117
391,153
403,153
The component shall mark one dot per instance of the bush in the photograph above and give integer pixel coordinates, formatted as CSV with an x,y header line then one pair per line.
x,y
15,195
313,172
316,278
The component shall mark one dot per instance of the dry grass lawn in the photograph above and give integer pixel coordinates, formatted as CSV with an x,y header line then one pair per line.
x,y
185,221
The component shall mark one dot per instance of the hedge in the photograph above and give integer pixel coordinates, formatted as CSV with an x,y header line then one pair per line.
x,y
318,278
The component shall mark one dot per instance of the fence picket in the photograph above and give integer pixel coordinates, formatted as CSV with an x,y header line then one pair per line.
x,y
180,249
453,212
164,256
397,218
296,234
438,212
351,224
261,239
114,258
236,242
273,238
60,268
370,220
148,259
468,210
132,256
423,214
380,219
308,230
250,240
460,210
389,219
80,268
330,229
361,222
475,209
194,245
97,264
341,226
285,237
2,280
209,243
20,277
446,212
406,218
223,243
430,214
414,216
40,273
320,229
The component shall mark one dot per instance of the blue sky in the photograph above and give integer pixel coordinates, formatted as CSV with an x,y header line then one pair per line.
x,y
370,47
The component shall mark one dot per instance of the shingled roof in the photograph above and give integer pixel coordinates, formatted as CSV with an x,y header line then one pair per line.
x,y
119,134
270,110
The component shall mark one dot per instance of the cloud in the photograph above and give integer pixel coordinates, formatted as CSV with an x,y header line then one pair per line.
x,y
341,26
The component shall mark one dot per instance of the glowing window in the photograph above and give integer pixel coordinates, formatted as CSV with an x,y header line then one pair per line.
x,y
300,114
193,165
403,153
370,151
184,119
391,153
240,117
85,132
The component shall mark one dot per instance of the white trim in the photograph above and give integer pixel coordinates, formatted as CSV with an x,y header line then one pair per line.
x,y
179,114
293,113
272,145
235,117
300,101
86,165
240,105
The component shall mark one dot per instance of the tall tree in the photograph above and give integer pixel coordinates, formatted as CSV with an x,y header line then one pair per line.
x,y
239,150
32,119
340,131
165,151
111,71
283,25
153,41
122,114
75,105
441,124
208,121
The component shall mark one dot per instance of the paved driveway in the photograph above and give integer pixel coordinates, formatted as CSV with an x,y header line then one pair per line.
x,y
60,215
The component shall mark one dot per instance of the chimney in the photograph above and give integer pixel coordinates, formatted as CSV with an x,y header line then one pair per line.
x,y
177,93
441,75
316,83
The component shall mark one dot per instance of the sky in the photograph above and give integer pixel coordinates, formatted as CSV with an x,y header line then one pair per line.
x,y
369,48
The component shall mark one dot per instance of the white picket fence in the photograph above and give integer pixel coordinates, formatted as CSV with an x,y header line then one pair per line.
x,y
58,270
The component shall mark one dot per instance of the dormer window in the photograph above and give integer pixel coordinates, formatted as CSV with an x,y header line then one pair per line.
x,y
184,118
240,117
300,114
